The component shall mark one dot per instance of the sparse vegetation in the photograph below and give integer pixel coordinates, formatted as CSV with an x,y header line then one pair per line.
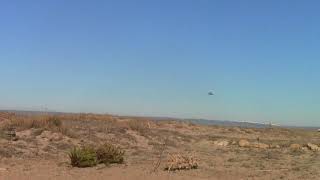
x,y
109,153
181,162
47,137
83,157
28,122
54,121
139,125
40,122
88,156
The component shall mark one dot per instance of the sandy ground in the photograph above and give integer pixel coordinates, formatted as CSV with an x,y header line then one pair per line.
x,y
40,152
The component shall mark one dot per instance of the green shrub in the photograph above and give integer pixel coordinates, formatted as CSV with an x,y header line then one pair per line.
x,y
88,156
109,154
83,157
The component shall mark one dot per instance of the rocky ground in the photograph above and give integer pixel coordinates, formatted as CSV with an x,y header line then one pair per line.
x,y
31,147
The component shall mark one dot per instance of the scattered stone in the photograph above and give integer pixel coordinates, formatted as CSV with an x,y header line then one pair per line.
x,y
51,136
221,143
295,146
275,146
100,166
313,147
244,143
3,169
249,131
25,133
261,145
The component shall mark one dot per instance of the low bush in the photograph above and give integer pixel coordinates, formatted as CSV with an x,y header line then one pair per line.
x,y
109,154
181,162
53,121
89,156
27,122
83,157
139,125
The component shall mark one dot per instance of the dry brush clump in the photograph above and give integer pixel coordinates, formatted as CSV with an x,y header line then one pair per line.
x,y
90,116
45,122
89,156
83,157
181,162
140,125
109,153
28,122
6,115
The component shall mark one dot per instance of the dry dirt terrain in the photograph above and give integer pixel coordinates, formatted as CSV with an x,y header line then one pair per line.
x,y
37,147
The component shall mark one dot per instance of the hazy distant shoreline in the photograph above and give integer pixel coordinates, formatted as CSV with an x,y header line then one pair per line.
x,y
242,124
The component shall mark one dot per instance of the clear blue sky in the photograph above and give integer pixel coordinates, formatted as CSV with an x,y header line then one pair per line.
x,y
162,57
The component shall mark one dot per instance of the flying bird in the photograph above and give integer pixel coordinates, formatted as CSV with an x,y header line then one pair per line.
x,y
211,93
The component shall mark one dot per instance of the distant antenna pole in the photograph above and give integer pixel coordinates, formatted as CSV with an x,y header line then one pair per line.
x,y
44,109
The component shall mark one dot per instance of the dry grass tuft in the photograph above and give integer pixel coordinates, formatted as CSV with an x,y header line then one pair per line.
x,y
6,115
109,153
27,122
181,162
89,156
83,157
139,125
45,122
53,121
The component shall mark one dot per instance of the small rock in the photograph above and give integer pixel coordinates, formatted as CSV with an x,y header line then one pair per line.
x,y
244,143
51,136
295,146
261,145
221,143
275,146
313,147
3,169
100,166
